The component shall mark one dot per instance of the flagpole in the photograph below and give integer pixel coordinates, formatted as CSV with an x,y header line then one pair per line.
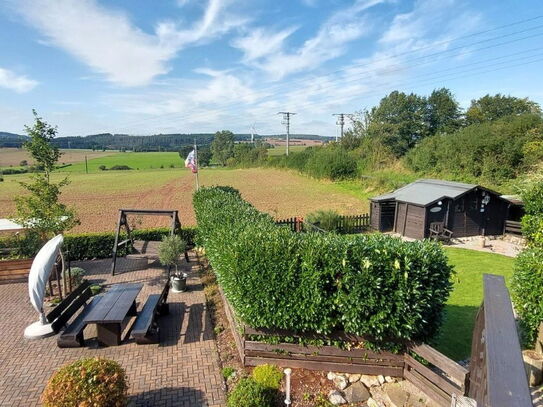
x,y
196,163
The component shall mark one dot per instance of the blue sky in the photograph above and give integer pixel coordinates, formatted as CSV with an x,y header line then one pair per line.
x,y
144,67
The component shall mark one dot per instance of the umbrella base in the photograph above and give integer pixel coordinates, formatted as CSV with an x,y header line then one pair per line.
x,y
38,330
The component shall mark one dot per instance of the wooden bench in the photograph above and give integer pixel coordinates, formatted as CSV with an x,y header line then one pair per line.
x,y
146,329
61,314
439,232
72,337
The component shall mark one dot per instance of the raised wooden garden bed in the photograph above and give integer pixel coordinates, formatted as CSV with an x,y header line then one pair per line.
x,y
14,271
440,379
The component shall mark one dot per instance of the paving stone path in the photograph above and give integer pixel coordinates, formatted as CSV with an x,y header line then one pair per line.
x,y
183,370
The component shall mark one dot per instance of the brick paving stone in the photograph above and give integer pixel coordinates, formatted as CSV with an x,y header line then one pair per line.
x,y
182,370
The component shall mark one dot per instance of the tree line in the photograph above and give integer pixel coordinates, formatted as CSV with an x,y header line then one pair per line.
x,y
497,138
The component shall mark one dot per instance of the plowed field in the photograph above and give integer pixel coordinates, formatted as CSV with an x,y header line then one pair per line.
x,y
97,197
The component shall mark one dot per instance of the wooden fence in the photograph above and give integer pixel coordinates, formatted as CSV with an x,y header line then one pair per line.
x,y
497,375
347,224
441,379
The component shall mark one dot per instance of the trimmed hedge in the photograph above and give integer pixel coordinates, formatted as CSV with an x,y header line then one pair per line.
x,y
527,284
86,246
371,285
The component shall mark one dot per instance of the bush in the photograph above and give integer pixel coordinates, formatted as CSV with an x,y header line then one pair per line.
x,y
496,151
268,376
227,372
248,393
170,249
94,382
527,284
372,285
122,168
325,219
86,246
331,162
77,274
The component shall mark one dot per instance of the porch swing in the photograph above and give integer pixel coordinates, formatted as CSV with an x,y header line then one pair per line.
x,y
141,249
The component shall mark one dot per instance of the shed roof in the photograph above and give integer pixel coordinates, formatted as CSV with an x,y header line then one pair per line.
x,y
426,191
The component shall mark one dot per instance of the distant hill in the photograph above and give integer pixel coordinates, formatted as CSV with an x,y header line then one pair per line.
x,y
11,139
156,142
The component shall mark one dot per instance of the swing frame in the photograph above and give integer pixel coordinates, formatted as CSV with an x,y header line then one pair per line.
x,y
123,222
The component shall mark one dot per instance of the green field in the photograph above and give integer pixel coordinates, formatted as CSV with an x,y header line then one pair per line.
x,y
136,161
467,296
280,150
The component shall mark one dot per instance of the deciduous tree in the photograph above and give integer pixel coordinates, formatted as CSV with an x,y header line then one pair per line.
x,y
40,211
222,146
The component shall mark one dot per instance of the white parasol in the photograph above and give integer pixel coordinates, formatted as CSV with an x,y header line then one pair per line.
x,y
37,280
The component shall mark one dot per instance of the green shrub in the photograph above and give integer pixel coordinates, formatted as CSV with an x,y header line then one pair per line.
x,y
77,274
170,249
122,168
94,382
331,162
248,393
268,376
227,372
86,246
325,219
372,285
527,284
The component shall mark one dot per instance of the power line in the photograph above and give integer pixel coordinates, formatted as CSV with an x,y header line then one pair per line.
x,y
161,117
286,122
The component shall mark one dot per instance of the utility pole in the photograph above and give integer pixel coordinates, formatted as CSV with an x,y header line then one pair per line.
x,y
253,133
286,122
340,122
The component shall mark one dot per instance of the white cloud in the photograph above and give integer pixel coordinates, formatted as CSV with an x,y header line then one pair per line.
x,y
265,50
18,83
260,42
109,43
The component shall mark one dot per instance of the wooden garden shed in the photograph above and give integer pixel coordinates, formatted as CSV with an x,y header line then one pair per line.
x,y
465,209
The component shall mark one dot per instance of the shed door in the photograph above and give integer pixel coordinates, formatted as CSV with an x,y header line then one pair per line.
x,y
400,218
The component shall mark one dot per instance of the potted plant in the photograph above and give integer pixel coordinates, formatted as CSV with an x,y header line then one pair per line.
x,y
170,250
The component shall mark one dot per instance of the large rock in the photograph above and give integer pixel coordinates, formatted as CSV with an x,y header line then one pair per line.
x,y
336,398
397,395
341,382
356,393
369,380
374,403
353,378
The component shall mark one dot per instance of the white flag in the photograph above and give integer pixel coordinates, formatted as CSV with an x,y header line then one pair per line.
x,y
190,162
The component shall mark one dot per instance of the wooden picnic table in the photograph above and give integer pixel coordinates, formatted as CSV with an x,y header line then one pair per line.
x,y
113,312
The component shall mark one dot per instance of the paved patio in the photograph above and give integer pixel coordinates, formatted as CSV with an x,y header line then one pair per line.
x,y
183,370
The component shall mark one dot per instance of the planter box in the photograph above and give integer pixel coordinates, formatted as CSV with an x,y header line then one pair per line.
x,y
14,271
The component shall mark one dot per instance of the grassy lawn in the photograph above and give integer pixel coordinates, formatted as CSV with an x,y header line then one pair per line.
x,y
466,297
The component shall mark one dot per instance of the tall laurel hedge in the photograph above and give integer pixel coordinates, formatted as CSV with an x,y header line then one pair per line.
x,y
371,285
